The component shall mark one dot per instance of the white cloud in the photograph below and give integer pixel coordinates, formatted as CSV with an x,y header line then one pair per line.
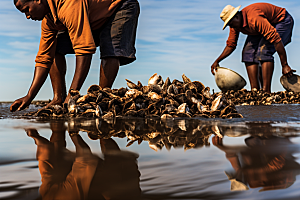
x,y
174,37
24,45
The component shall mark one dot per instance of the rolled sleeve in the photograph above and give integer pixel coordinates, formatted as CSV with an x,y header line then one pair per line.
x,y
79,27
47,45
232,38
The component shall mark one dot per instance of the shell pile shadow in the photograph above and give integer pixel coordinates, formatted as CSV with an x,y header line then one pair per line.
x,y
170,133
162,99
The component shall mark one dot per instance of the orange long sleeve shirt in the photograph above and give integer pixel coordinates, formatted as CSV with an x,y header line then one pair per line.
x,y
80,17
258,19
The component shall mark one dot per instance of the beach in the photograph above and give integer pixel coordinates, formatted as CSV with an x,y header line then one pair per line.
x,y
257,158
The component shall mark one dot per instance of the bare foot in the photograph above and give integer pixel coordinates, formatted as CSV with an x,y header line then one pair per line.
x,y
67,99
53,103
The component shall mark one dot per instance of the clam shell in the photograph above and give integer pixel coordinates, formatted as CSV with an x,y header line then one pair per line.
x,y
172,90
132,93
154,79
206,93
72,107
216,103
155,88
44,113
74,92
166,84
200,87
183,108
131,85
94,89
185,79
122,91
154,96
83,99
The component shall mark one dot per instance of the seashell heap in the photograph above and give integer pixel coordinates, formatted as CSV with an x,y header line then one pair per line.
x,y
158,99
258,97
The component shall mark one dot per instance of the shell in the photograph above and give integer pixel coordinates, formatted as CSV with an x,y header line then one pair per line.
x,y
164,100
132,93
185,79
94,89
216,103
154,79
74,92
154,96
132,85
44,113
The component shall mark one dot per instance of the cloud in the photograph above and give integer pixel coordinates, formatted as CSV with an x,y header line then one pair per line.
x,y
24,45
173,37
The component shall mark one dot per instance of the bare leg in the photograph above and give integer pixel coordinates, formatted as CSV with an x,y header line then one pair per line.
x,y
260,77
57,76
83,64
252,70
108,71
58,135
108,145
82,149
267,73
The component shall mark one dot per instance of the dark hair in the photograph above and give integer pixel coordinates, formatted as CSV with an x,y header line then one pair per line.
x,y
23,1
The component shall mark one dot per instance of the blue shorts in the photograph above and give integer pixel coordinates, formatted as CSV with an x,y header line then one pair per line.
x,y
116,37
258,49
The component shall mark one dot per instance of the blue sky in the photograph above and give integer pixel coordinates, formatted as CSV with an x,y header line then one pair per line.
x,y
173,37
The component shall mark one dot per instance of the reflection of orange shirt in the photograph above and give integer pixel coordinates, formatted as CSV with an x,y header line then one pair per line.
x,y
258,19
79,17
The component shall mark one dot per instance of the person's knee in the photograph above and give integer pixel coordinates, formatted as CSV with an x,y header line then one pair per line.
x,y
251,64
110,62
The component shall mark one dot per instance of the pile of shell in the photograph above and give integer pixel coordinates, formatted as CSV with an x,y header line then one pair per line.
x,y
164,99
170,133
258,97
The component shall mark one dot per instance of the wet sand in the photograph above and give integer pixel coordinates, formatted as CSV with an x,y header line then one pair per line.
x,y
258,157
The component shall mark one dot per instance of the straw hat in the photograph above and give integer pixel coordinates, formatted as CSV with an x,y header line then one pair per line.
x,y
227,13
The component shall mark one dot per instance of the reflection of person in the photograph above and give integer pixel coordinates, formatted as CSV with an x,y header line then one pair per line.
x,y
269,29
87,176
82,26
265,162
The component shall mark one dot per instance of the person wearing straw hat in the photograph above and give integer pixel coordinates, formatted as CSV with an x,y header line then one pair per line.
x,y
269,29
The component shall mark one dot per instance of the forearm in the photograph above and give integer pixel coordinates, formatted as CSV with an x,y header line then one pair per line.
x,y
40,75
281,53
226,52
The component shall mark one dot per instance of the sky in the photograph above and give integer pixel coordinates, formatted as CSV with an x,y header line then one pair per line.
x,y
173,37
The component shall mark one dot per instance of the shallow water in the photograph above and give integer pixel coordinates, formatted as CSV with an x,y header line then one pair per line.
x,y
258,157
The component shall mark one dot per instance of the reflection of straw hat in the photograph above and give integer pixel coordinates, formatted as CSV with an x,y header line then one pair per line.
x,y
227,13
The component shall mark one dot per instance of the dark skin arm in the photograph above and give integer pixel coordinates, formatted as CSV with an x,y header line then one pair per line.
x,y
83,63
226,52
286,69
40,75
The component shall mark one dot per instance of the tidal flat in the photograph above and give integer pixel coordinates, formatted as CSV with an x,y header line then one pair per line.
x,y
255,157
